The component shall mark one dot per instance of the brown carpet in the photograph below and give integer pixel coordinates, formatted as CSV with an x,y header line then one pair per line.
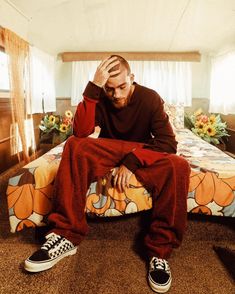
x,y
111,260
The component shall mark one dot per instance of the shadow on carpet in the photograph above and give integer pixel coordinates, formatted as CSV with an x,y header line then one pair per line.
x,y
227,257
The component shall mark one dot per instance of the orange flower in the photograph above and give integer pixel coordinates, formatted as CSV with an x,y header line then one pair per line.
x,y
204,118
24,199
209,189
67,121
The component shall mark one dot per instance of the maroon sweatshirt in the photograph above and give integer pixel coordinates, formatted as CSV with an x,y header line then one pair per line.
x,y
142,120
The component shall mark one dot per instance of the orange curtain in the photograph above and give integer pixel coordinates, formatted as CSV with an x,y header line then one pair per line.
x,y
18,56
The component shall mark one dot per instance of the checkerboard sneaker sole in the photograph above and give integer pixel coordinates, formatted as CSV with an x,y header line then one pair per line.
x,y
159,276
52,251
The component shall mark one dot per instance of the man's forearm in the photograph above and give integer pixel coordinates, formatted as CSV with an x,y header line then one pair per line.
x,y
84,119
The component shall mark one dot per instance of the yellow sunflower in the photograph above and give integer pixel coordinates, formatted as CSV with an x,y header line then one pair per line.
x,y
210,130
198,112
63,128
212,119
199,126
68,114
52,119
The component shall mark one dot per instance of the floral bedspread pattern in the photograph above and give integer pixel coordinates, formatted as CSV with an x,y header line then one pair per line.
x,y
211,191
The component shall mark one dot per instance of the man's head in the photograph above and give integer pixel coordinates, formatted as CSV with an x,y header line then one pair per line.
x,y
119,87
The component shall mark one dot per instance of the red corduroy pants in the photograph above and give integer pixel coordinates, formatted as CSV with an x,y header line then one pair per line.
x,y
84,160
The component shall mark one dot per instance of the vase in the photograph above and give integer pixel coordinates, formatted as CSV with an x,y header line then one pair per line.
x,y
58,138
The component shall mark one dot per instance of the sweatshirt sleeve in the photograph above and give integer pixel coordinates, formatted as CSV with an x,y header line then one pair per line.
x,y
162,141
163,137
84,119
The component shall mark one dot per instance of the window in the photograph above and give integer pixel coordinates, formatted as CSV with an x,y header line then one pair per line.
x,y
222,88
172,80
4,75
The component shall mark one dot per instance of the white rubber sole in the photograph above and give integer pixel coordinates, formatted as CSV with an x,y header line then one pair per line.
x,y
38,266
159,288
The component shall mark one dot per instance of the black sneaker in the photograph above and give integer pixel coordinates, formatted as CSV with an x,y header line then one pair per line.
x,y
159,275
52,251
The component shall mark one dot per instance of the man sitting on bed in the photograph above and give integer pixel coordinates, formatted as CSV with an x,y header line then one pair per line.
x,y
136,137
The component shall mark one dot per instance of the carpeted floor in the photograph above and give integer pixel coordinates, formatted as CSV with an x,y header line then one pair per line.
x,y
111,260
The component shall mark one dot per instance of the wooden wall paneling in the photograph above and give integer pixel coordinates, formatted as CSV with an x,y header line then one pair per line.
x,y
5,119
63,104
6,159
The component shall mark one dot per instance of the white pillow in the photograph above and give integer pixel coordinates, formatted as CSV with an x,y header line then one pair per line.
x,y
176,114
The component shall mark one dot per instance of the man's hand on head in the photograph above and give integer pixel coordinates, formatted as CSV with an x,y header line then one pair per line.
x,y
122,177
102,73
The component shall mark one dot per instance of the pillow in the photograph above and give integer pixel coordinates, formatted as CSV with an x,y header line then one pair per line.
x,y
176,114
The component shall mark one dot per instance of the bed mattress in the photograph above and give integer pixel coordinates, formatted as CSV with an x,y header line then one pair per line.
x,y
211,189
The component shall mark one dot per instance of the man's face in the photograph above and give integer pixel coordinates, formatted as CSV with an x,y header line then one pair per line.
x,y
119,88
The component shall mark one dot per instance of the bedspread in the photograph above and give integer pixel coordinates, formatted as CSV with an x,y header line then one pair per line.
x,y
211,190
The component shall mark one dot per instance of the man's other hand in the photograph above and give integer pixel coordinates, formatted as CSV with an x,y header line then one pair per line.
x,y
122,177
102,73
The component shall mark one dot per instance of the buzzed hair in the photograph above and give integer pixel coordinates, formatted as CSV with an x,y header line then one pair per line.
x,y
123,63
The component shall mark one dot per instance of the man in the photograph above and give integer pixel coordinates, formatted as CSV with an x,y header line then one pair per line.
x,y
136,137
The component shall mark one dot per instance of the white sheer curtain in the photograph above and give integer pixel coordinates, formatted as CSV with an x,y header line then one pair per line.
x,y
172,80
82,72
42,81
222,87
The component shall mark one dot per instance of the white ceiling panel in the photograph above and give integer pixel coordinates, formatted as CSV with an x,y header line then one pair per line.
x,y
129,25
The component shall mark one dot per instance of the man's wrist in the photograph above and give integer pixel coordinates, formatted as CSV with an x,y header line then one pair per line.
x,y
98,84
92,91
131,162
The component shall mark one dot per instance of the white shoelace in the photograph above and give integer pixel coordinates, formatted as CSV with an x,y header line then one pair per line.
x,y
160,264
52,239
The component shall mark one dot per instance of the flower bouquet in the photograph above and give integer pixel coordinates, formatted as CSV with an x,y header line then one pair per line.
x,y
208,127
56,128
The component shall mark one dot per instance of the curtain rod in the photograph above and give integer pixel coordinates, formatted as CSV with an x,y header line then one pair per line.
x,y
159,56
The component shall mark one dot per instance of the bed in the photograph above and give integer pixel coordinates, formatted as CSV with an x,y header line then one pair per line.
x,y
211,189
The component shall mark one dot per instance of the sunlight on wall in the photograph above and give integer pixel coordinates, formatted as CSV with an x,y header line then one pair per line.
x,y
30,140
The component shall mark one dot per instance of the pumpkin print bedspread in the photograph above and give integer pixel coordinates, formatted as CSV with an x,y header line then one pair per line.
x,y
211,190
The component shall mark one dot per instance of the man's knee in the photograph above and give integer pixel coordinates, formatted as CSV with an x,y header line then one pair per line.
x,y
180,164
79,144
